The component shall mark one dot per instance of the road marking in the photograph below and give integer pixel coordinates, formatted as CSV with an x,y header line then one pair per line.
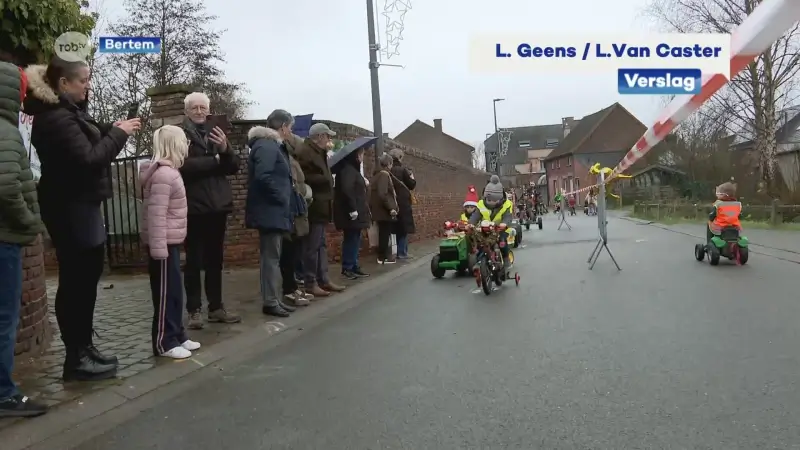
x,y
641,240
274,327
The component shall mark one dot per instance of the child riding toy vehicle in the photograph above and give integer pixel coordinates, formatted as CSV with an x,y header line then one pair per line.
x,y
454,251
527,216
489,269
729,243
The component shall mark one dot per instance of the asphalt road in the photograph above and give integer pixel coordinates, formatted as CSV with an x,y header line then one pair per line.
x,y
667,354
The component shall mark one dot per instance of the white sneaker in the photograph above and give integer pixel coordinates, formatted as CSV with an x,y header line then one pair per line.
x,y
190,345
177,353
305,295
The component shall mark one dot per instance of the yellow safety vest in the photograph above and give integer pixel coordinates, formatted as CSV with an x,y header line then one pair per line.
x,y
464,217
508,205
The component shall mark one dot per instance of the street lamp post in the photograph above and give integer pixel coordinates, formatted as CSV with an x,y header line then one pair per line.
x,y
377,122
496,130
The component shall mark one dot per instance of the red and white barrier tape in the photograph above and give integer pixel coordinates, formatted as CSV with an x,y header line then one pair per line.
x,y
759,30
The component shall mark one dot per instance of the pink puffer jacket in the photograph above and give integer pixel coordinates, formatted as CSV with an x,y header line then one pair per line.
x,y
165,209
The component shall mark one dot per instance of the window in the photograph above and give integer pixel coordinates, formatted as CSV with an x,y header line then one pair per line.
x,y
577,183
524,144
558,164
569,161
555,187
551,143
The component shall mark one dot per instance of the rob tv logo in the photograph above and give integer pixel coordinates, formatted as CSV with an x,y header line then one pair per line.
x,y
659,81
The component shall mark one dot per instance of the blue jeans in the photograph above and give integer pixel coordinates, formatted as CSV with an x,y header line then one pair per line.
x,y
402,245
351,244
10,295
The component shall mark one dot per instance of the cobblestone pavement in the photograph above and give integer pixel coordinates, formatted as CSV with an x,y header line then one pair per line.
x,y
123,317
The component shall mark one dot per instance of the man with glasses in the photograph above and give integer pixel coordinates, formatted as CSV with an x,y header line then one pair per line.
x,y
210,200
313,159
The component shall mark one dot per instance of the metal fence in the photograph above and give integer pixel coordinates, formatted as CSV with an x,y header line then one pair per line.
x,y
122,213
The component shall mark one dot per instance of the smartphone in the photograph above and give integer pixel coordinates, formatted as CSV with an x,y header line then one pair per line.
x,y
133,110
219,120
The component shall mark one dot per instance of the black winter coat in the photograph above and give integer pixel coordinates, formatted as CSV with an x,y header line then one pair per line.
x,y
350,194
271,202
403,184
75,151
207,187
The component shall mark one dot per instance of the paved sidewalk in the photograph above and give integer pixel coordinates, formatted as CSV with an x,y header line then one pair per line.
x,y
123,320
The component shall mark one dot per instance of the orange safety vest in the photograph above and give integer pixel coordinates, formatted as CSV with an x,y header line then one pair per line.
x,y
728,213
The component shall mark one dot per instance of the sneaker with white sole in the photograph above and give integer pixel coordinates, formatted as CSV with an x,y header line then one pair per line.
x,y
296,299
177,353
304,295
191,345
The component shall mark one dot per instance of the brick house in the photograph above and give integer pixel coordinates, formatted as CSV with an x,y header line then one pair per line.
x,y
526,150
434,141
602,137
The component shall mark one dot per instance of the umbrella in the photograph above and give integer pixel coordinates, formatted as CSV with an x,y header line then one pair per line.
x,y
358,144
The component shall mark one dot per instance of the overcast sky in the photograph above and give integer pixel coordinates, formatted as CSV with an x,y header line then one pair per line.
x,y
310,56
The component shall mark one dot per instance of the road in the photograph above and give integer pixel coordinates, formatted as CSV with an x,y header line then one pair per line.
x,y
669,353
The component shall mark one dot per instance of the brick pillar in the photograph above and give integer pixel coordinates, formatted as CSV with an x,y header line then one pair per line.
x,y
166,104
34,332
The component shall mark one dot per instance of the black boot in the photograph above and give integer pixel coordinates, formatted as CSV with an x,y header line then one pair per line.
x,y
79,365
95,354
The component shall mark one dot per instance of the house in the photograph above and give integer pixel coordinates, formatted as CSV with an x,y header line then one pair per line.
x,y
526,148
788,151
654,181
602,137
433,140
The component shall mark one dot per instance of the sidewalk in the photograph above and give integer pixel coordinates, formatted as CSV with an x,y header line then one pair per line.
x,y
123,321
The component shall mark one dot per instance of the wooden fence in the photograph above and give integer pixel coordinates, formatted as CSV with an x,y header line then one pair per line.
x,y
774,214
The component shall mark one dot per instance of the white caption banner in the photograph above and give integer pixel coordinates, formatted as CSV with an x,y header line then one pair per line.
x,y
525,52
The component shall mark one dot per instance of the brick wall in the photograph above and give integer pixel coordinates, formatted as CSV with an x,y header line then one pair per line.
x,y
34,332
441,184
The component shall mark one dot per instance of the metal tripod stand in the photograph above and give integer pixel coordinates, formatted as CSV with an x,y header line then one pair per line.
x,y
602,227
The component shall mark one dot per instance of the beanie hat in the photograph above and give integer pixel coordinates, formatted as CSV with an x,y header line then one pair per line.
x,y
472,197
728,188
494,190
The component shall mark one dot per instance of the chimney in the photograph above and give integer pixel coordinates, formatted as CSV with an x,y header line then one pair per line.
x,y
386,135
437,123
567,123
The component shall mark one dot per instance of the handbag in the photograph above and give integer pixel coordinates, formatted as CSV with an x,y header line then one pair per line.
x,y
412,197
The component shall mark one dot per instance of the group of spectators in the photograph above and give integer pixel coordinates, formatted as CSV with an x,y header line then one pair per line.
x,y
294,193
292,196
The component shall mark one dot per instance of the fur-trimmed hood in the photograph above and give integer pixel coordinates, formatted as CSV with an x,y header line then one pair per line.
x,y
263,133
41,96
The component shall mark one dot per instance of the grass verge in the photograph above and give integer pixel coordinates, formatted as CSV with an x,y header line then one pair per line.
x,y
668,220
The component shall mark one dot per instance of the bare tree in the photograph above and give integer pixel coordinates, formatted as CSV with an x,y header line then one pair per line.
x,y
479,156
190,54
753,98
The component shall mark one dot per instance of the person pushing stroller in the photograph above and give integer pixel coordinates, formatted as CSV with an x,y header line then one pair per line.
x,y
495,207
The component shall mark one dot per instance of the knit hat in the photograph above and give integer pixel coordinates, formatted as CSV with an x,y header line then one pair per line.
x,y
472,197
494,190
728,188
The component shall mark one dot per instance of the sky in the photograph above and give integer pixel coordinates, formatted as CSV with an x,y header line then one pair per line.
x,y
311,56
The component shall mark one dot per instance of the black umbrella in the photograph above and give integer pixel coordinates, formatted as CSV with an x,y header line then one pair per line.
x,y
358,144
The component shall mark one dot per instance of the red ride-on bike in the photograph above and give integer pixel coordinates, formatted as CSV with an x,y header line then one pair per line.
x,y
489,270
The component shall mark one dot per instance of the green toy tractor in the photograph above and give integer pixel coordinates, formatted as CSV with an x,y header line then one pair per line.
x,y
729,244
454,252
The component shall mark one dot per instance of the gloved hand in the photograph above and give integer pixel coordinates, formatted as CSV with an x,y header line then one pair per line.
x,y
393,213
354,215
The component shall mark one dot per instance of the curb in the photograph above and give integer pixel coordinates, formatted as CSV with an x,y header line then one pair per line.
x,y
71,423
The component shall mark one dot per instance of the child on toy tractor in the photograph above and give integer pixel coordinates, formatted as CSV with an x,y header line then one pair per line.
x,y
470,204
726,211
495,207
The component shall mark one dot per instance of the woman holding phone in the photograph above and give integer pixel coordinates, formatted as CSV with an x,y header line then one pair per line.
x,y
76,153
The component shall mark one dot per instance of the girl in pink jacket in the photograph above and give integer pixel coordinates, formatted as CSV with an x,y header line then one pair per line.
x,y
163,231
